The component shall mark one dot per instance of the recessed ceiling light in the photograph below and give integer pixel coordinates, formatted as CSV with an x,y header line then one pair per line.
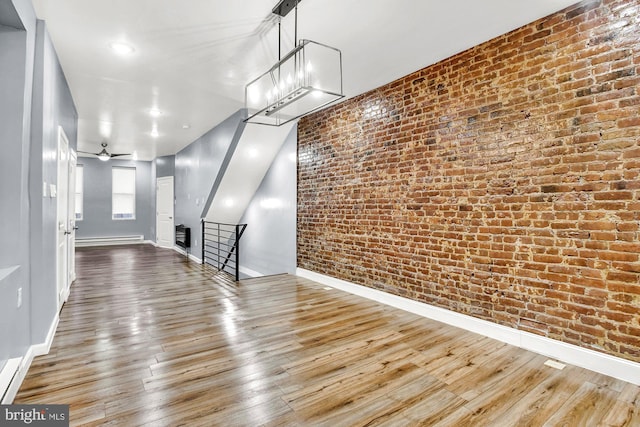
x,y
122,48
154,133
154,112
186,126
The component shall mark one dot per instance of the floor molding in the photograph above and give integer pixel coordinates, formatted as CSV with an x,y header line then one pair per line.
x,y
251,273
191,256
18,378
43,348
20,366
593,360
7,375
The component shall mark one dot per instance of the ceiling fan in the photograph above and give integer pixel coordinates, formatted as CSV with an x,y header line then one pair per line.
x,y
104,155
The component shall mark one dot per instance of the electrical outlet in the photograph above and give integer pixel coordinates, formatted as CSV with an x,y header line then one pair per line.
x,y
19,304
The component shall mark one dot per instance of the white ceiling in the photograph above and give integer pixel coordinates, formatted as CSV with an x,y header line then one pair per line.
x,y
193,57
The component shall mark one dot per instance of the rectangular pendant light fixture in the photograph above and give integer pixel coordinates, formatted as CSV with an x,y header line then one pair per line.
x,y
304,80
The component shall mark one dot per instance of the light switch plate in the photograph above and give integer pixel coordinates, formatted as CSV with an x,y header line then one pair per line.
x,y
53,190
44,189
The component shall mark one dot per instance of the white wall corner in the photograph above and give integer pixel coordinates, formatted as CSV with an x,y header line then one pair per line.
x,y
616,367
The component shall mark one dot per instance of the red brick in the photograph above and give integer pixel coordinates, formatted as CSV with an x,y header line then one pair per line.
x,y
502,182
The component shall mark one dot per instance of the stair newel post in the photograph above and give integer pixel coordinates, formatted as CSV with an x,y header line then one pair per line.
x,y
237,252
218,251
202,225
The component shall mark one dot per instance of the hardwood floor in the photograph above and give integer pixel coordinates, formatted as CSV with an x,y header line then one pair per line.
x,y
148,338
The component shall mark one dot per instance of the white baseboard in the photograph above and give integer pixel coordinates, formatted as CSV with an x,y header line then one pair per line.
x,y
191,256
65,294
7,374
616,367
21,365
19,376
251,273
43,348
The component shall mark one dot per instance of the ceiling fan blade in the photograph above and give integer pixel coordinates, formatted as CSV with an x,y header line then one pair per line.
x,y
86,152
120,154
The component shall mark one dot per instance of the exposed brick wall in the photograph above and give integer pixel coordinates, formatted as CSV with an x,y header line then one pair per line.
x,y
502,183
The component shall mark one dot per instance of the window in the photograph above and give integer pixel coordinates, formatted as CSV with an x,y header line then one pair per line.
x,y
123,193
79,190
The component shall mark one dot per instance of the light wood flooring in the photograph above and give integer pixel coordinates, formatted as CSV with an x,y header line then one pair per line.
x,y
148,338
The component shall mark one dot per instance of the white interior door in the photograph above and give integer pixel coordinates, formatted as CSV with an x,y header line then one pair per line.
x,y
71,221
164,212
62,195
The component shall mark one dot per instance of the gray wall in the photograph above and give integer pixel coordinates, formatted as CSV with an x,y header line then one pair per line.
x,y
14,111
165,166
52,107
268,245
198,170
97,220
34,101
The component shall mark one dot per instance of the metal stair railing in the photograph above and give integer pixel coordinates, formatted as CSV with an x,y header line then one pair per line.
x,y
221,246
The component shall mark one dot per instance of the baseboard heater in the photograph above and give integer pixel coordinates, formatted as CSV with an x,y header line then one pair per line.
x,y
106,241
